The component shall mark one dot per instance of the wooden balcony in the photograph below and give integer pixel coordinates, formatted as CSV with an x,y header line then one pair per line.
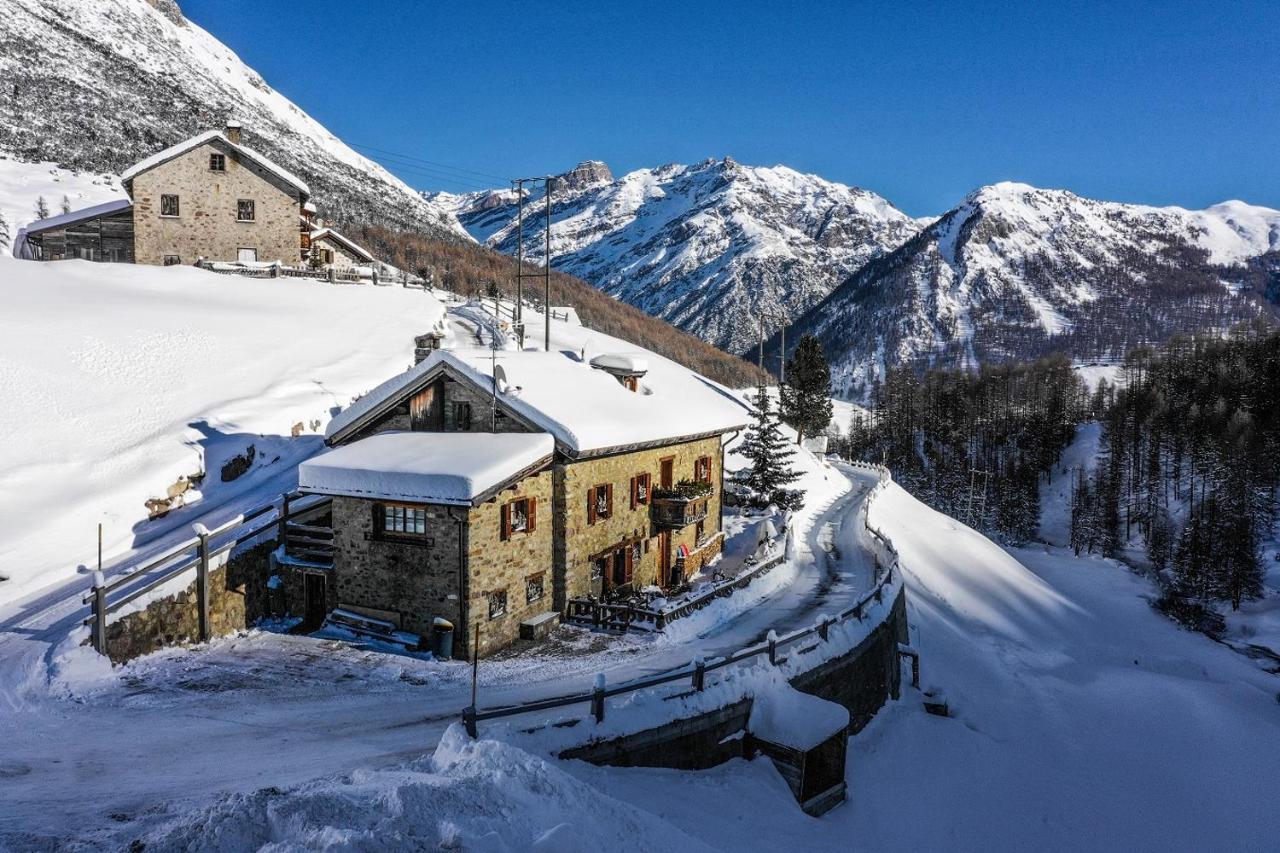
x,y
673,513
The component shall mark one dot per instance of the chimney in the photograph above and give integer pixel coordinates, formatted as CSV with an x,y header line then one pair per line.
x,y
233,132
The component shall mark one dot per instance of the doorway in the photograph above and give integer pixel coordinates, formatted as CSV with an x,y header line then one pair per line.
x,y
314,610
664,559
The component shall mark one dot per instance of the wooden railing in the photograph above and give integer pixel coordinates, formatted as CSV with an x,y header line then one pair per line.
x,y
695,672
676,513
195,554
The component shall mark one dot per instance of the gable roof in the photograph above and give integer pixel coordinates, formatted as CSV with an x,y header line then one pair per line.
x,y
455,468
354,248
587,411
212,136
21,249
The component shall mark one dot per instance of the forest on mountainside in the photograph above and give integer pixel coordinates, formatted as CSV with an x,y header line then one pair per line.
x,y
1190,463
973,443
471,269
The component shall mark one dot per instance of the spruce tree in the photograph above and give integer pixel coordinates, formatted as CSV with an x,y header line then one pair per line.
x,y
4,232
806,398
770,454
42,208
65,205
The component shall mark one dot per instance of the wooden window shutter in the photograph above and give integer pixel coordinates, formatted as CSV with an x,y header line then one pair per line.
x,y
533,515
635,482
608,497
591,505
506,521
630,564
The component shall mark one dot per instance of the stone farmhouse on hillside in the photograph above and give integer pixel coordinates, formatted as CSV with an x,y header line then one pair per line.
x,y
491,491
210,199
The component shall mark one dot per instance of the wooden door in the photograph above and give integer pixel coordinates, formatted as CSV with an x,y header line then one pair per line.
x,y
426,409
315,610
664,558
666,475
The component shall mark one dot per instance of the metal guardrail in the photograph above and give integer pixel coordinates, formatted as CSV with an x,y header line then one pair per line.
x,y
696,671
195,553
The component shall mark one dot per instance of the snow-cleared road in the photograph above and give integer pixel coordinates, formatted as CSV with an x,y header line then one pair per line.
x,y
267,709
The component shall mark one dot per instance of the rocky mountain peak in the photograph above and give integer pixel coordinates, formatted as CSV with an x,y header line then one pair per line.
x,y
587,174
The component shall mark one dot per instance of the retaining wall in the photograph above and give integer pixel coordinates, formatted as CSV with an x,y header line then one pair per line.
x,y
237,599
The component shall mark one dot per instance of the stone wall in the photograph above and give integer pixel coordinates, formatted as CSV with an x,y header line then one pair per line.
x,y
482,415
343,258
418,580
505,565
206,226
583,540
237,598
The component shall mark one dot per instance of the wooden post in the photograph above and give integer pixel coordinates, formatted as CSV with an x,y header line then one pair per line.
x,y
282,523
202,583
333,276
773,647
99,613
699,674
99,546
597,699
469,720
475,664
824,628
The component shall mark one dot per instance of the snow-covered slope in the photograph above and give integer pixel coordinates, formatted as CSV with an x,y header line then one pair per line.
x,y
96,85
1015,271
116,379
706,247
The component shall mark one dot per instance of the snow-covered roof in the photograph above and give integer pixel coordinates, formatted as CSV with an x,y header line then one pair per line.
x,y
210,136
355,248
104,209
633,363
587,410
425,467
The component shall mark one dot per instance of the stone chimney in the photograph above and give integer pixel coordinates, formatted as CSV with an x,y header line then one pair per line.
x,y
233,132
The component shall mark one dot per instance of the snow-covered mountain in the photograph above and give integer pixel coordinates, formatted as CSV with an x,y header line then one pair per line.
x,y
706,247
96,85
1015,271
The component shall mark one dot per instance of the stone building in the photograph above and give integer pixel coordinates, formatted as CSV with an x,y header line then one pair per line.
x,y
626,496
209,198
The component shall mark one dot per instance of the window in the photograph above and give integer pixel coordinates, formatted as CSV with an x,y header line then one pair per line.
x,y
169,205
217,163
400,520
497,603
622,566
172,260
599,502
519,516
702,469
326,256
534,588
640,485
462,417
598,567
244,210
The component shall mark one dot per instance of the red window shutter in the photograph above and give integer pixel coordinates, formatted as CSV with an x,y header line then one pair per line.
x,y
630,565
634,482
591,505
608,497
533,514
506,521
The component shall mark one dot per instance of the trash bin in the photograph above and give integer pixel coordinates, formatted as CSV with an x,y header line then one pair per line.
x,y
442,638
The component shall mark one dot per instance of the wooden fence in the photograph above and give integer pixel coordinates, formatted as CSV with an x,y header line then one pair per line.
x,y
195,554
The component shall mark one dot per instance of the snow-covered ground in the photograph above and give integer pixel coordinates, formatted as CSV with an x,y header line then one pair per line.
x,y
23,184
118,379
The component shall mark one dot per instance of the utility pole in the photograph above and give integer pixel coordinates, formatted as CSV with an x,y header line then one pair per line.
x,y
548,182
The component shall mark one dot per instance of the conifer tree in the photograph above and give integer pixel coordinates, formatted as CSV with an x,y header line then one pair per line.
x,y
65,205
4,232
42,208
770,454
806,398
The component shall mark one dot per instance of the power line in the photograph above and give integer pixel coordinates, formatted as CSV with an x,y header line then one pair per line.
x,y
438,164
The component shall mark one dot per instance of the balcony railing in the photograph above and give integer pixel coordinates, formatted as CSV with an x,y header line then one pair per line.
x,y
673,513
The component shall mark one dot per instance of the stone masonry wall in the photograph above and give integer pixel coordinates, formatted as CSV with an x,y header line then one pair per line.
x,y
453,392
206,226
237,598
583,540
417,580
497,565
343,258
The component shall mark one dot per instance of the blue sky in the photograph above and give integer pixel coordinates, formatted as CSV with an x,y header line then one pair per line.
x,y
1159,103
